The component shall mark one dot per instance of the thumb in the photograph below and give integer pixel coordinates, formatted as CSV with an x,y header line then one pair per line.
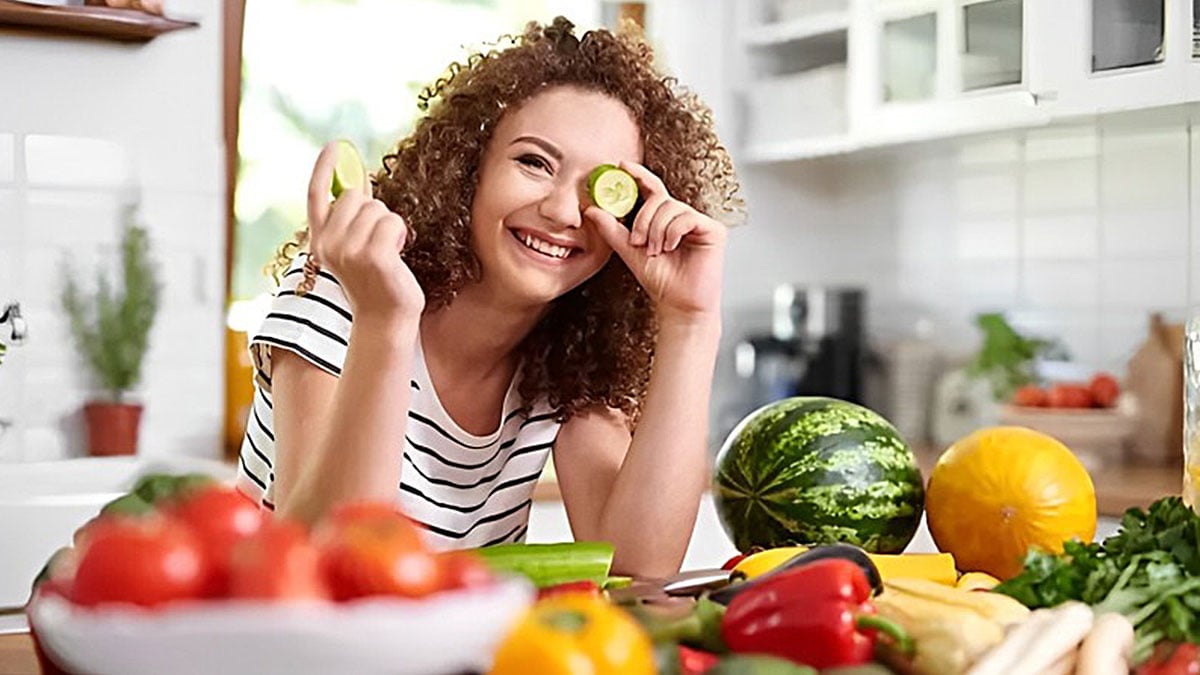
x,y
612,232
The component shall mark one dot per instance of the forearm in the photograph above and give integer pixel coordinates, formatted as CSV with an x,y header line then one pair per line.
x,y
656,494
358,451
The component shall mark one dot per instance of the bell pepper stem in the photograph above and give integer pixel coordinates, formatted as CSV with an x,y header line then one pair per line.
x,y
889,628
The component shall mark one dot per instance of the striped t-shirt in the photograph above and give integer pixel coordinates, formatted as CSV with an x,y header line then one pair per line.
x,y
467,490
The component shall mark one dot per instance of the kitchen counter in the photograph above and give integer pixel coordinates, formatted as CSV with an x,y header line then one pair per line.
x,y
16,655
1118,487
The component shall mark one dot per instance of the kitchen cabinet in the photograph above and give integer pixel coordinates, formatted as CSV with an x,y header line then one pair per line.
x,y
824,77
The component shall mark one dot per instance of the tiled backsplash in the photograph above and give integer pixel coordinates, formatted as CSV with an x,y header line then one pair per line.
x,y
1079,232
63,207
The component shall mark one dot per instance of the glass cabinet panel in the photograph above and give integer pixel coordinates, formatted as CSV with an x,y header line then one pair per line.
x,y
1126,33
909,55
991,48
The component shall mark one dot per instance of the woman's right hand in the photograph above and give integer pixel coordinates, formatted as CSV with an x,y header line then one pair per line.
x,y
359,240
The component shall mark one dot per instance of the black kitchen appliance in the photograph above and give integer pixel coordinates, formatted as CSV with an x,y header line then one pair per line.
x,y
815,347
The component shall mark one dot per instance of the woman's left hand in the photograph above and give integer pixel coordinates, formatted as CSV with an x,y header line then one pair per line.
x,y
674,251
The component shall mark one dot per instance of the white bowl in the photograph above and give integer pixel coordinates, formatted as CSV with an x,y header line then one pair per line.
x,y
449,632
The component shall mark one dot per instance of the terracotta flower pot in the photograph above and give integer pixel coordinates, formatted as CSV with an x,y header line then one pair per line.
x,y
112,428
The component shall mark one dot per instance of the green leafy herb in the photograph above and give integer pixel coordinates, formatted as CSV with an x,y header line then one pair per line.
x,y
111,328
1149,571
1006,357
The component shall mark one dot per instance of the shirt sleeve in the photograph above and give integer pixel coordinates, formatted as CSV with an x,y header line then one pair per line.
x,y
315,326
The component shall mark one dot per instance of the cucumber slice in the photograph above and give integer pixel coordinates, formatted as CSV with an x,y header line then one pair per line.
x,y
612,189
348,170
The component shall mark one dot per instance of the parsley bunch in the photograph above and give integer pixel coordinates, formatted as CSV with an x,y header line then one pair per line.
x,y
1149,571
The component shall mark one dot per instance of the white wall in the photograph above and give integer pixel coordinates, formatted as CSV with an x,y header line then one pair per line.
x,y
1078,232
87,127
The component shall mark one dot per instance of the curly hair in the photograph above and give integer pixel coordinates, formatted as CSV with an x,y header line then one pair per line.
x,y
595,345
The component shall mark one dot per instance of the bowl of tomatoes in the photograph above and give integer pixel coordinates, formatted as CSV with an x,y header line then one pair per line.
x,y
1093,418
204,582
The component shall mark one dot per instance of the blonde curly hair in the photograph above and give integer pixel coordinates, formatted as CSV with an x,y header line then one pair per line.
x,y
595,345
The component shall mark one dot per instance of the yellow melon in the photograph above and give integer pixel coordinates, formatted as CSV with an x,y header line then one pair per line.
x,y
1001,490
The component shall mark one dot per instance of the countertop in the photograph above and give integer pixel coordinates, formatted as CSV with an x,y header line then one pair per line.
x,y
1118,487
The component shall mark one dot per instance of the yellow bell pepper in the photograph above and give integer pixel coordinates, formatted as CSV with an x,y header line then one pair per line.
x,y
575,634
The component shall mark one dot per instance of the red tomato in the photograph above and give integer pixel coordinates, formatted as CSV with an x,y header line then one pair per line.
x,y
221,517
1069,396
1171,659
1104,390
277,562
373,549
147,562
461,569
696,661
1030,396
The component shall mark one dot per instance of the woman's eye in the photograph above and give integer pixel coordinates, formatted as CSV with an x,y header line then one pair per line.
x,y
534,162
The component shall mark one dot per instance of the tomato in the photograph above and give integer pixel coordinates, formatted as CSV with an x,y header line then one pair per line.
x,y
373,549
1069,396
1030,396
1104,390
147,562
1170,659
221,517
277,562
461,569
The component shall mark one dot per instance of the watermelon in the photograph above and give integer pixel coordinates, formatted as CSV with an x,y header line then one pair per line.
x,y
811,470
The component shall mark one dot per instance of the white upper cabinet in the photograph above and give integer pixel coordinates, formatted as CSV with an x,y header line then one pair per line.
x,y
821,77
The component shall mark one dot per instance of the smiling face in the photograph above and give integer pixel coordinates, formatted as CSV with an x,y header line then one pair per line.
x,y
527,224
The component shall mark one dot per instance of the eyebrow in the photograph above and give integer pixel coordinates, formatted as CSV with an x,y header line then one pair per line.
x,y
542,143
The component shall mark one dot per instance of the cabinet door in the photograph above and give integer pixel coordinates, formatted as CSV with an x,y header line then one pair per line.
x,y
1097,56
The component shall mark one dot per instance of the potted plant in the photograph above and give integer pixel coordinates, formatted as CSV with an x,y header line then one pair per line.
x,y
111,328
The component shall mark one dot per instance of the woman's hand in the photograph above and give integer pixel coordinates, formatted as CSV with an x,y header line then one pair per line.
x,y
674,251
359,240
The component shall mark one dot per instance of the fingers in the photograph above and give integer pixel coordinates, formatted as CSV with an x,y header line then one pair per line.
x,y
657,231
649,183
319,185
645,215
612,231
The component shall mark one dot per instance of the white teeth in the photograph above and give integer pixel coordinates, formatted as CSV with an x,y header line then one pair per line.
x,y
545,247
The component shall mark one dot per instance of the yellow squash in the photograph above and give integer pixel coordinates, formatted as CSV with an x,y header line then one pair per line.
x,y
1001,490
937,567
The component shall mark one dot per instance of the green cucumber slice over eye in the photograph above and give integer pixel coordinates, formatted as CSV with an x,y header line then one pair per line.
x,y
348,171
613,190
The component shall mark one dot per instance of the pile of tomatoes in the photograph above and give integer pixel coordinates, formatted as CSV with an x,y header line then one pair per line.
x,y
214,543
1102,391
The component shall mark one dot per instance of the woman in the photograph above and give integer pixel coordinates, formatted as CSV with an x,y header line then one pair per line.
x,y
506,329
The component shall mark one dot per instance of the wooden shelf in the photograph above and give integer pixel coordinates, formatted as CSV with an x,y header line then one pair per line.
x,y
122,25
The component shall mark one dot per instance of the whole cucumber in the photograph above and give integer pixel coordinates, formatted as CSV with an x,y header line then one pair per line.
x,y
551,564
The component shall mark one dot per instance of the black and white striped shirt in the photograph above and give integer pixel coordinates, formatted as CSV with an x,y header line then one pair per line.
x,y
466,490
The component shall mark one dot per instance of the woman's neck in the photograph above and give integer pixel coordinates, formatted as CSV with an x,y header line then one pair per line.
x,y
475,337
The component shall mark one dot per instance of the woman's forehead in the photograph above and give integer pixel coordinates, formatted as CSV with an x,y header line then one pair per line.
x,y
580,122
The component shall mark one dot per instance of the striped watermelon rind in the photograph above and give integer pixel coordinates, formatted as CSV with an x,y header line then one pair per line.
x,y
814,470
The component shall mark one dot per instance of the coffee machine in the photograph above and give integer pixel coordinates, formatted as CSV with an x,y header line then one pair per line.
x,y
815,347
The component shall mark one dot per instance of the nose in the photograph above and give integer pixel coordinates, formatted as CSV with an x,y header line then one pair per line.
x,y
564,204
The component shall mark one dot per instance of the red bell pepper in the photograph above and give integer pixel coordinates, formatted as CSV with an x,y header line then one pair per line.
x,y
818,615
585,586
1183,659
